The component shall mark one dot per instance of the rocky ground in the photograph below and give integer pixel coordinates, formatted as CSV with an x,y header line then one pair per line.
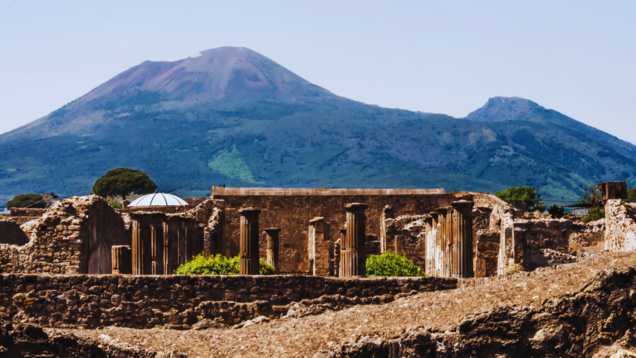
x,y
584,309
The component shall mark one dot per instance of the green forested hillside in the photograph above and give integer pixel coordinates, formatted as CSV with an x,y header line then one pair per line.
x,y
311,139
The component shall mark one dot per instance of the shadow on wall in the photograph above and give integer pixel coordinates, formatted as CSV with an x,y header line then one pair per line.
x,y
10,233
105,229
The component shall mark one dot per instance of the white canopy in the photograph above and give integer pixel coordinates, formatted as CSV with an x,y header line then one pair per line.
x,y
158,199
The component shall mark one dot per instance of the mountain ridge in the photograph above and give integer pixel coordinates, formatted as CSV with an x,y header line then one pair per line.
x,y
186,122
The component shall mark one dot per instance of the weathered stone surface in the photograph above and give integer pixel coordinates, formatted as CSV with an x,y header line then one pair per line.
x,y
73,235
620,228
149,301
575,310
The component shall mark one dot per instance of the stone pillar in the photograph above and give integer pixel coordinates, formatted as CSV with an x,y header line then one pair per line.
x,y
271,235
336,258
157,240
431,240
613,190
387,230
249,241
121,258
339,255
320,247
463,239
353,256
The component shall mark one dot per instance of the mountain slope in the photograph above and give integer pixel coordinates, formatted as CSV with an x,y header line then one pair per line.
x,y
233,116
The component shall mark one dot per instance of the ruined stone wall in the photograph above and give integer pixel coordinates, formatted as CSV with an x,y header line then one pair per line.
x,y
406,235
620,229
73,236
181,301
291,213
10,233
28,212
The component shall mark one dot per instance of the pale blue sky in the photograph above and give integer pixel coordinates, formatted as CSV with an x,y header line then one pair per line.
x,y
577,57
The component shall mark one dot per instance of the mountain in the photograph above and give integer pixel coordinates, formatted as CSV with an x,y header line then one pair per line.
x,y
232,116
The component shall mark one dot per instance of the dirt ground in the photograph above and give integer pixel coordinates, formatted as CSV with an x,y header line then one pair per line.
x,y
303,337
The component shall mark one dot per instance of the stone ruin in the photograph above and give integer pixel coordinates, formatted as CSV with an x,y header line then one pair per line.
x,y
75,273
309,232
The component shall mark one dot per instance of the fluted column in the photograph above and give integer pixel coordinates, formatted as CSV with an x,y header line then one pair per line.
x,y
354,245
249,241
272,237
463,235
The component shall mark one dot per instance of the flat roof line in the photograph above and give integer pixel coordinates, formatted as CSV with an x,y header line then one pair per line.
x,y
220,191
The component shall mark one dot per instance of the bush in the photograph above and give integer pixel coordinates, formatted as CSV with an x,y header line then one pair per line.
x,y
556,211
218,265
594,213
631,195
27,201
115,204
390,264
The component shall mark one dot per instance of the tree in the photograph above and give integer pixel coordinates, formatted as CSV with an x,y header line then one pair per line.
x,y
593,195
523,195
27,201
50,198
123,181
556,211
631,195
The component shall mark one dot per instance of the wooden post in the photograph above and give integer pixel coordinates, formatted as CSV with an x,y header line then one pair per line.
x,y
354,243
272,237
249,241
121,258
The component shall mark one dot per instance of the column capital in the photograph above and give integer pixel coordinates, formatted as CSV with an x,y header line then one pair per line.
x,y
463,203
356,206
271,229
248,211
316,219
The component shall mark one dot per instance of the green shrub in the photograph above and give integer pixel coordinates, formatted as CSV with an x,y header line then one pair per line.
x,y
115,204
631,195
27,201
594,213
390,264
218,265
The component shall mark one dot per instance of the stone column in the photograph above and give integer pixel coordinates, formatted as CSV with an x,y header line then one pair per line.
x,y
353,253
387,229
431,231
272,237
320,247
463,237
121,257
249,241
338,254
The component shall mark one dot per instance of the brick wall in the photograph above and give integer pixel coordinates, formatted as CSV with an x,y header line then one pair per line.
x,y
291,210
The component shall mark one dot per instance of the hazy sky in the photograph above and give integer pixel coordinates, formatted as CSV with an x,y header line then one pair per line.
x,y
577,57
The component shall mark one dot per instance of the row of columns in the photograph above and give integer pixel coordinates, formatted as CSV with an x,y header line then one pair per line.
x,y
352,243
